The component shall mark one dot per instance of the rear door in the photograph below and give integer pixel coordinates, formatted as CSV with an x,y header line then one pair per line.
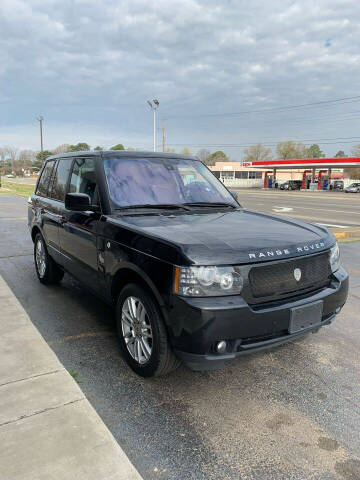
x,y
44,209
56,207
78,232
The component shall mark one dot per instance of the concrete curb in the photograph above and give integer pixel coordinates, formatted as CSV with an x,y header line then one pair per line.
x,y
48,429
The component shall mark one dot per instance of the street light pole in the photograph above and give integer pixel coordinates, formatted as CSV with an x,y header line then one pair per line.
x,y
154,129
163,134
154,107
40,119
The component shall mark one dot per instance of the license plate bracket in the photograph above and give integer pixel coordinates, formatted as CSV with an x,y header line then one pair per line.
x,y
305,316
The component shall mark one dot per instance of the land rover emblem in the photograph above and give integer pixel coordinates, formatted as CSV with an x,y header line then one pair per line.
x,y
297,274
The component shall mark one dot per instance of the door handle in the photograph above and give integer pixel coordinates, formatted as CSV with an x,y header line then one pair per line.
x,y
50,214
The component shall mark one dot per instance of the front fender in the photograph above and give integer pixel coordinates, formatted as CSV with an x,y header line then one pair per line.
x,y
125,267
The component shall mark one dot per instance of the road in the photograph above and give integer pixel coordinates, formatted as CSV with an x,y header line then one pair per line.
x,y
23,180
290,413
328,208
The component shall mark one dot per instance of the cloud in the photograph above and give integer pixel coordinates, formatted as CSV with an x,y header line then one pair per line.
x,y
96,63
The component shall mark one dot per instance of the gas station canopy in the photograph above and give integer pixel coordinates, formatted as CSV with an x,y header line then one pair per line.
x,y
311,165
307,163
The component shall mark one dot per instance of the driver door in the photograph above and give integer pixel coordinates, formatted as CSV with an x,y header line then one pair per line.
x,y
78,232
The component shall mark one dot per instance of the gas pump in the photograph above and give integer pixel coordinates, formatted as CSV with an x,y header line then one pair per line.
x,y
304,179
323,180
268,179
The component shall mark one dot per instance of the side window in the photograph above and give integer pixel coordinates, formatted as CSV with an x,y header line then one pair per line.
x,y
43,185
83,179
60,179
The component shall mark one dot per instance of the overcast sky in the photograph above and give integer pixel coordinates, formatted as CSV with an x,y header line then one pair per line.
x,y
89,66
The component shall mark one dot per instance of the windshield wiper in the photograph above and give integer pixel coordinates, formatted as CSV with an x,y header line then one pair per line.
x,y
209,204
158,206
175,206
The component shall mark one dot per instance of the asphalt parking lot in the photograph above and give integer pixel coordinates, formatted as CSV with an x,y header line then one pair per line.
x,y
334,209
289,413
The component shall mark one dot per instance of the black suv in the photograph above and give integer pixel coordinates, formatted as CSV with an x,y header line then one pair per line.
x,y
291,185
193,275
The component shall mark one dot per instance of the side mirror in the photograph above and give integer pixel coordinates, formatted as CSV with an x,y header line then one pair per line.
x,y
234,193
79,202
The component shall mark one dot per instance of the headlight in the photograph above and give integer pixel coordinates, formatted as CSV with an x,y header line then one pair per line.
x,y
207,281
335,257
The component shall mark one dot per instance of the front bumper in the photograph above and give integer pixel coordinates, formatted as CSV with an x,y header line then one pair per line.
x,y
198,323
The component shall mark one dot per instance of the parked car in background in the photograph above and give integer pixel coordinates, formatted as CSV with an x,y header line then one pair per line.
x,y
193,276
337,185
291,185
10,175
353,188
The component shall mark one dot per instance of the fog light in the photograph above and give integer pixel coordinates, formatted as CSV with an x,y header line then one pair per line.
x,y
338,310
221,346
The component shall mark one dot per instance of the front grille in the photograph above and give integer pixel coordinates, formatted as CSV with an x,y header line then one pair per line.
x,y
278,280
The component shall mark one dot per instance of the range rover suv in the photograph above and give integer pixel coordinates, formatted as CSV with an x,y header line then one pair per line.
x,y
194,277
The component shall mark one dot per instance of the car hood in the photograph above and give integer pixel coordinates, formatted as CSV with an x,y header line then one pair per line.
x,y
219,238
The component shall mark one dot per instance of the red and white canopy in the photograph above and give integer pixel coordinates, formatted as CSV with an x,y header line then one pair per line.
x,y
306,163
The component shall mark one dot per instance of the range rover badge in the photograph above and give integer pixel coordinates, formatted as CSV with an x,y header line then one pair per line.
x,y
297,274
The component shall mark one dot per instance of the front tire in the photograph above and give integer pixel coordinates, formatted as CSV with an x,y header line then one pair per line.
x,y
47,270
142,334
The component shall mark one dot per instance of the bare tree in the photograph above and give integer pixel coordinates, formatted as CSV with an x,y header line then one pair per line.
x,y
24,161
3,155
11,153
204,155
351,171
257,153
291,149
186,151
355,151
63,148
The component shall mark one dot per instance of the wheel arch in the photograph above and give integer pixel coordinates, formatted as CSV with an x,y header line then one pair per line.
x,y
129,273
35,230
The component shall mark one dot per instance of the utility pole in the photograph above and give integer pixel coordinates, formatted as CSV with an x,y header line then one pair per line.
x,y
163,128
154,107
40,119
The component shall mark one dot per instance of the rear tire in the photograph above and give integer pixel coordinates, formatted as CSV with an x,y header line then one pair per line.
x,y
47,270
143,338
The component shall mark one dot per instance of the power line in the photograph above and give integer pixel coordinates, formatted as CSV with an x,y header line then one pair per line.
x,y
270,110
304,121
299,140
325,141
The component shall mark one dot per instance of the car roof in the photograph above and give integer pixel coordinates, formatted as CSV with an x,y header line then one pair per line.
x,y
122,153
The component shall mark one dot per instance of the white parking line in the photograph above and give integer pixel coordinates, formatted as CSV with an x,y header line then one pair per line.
x,y
315,220
328,210
331,225
282,209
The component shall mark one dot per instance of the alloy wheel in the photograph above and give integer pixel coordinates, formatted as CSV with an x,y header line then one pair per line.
x,y
136,330
40,258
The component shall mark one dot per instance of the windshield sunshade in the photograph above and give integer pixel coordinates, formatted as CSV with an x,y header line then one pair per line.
x,y
153,181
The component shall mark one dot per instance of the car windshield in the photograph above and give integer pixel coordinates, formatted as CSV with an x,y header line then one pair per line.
x,y
162,181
